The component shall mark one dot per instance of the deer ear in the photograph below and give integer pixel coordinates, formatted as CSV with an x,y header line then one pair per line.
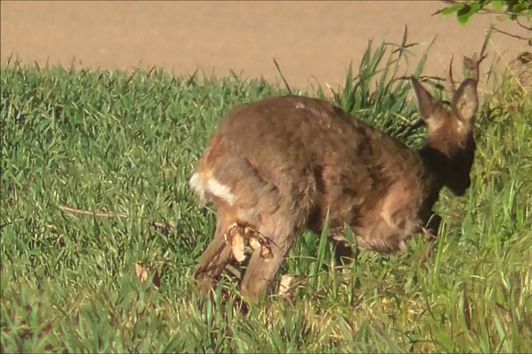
x,y
431,110
465,101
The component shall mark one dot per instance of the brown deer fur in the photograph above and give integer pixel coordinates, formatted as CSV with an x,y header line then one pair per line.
x,y
287,163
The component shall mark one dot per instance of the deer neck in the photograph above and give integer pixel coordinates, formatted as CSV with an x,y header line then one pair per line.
x,y
436,166
436,163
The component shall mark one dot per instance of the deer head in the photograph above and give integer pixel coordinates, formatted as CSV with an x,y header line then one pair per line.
x,y
450,145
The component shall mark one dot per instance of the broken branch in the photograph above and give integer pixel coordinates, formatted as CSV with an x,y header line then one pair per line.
x,y
166,227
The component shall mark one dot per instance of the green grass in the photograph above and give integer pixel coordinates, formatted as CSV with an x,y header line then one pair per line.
x,y
128,143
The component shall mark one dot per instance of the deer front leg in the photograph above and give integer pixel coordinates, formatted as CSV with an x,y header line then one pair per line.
x,y
433,225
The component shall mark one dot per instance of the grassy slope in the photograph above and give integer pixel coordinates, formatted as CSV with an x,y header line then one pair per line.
x,y
112,142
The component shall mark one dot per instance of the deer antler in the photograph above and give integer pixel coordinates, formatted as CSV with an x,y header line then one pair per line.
x,y
450,81
472,65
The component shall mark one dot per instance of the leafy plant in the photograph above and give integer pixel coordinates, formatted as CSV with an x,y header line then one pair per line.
x,y
378,91
464,10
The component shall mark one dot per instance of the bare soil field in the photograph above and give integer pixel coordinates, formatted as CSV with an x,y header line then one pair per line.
x,y
312,41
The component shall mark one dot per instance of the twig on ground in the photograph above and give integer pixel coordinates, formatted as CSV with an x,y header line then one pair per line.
x,y
522,25
77,212
511,34
162,226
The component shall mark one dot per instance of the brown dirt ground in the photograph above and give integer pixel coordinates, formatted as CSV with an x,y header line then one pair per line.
x,y
310,40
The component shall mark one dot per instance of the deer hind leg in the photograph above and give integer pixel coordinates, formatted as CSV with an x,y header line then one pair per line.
x,y
261,271
215,258
281,228
266,215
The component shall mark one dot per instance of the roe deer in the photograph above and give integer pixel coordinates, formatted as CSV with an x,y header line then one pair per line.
x,y
279,165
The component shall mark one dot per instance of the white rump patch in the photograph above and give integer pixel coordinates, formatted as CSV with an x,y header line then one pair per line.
x,y
300,105
211,186
195,183
221,191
